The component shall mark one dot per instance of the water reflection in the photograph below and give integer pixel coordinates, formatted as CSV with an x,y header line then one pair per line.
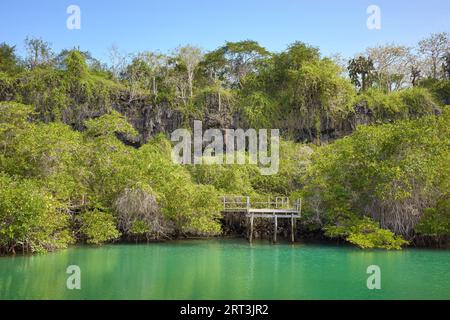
x,y
227,269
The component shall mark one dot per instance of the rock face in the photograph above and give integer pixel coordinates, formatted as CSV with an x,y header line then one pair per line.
x,y
218,117
149,118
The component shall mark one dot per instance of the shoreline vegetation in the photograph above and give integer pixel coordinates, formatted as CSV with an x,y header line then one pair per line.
x,y
85,155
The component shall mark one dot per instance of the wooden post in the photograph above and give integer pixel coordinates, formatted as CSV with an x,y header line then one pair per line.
x,y
248,203
292,229
251,228
275,230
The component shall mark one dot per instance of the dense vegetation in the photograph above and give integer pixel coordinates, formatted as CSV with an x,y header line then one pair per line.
x,y
367,152
390,173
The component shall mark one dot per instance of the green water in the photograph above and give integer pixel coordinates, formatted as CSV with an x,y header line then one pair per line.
x,y
227,269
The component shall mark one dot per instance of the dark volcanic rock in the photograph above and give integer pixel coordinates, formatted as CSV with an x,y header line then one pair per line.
x,y
148,117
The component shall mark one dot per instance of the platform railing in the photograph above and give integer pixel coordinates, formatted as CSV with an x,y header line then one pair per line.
x,y
241,203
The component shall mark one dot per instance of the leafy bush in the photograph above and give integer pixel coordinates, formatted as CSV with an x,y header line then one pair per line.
x,y
365,233
98,226
436,221
229,179
409,103
30,219
439,88
294,160
419,102
390,173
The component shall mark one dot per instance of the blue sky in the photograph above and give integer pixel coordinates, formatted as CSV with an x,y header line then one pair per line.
x,y
161,25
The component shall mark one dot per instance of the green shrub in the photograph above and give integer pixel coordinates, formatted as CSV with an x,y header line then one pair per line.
x,y
367,234
391,173
440,89
409,103
98,227
436,221
30,218
419,102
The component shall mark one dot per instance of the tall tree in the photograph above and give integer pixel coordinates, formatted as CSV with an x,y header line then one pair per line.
x,y
446,66
416,67
137,75
8,58
415,75
391,65
238,59
189,57
157,64
434,49
117,60
39,52
361,72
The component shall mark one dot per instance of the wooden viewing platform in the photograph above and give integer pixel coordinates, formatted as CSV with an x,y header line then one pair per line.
x,y
281,208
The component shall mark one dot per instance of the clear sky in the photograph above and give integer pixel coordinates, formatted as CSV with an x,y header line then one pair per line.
x,y
161,25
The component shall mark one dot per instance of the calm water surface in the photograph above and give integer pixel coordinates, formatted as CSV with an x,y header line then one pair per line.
x,y
227,269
